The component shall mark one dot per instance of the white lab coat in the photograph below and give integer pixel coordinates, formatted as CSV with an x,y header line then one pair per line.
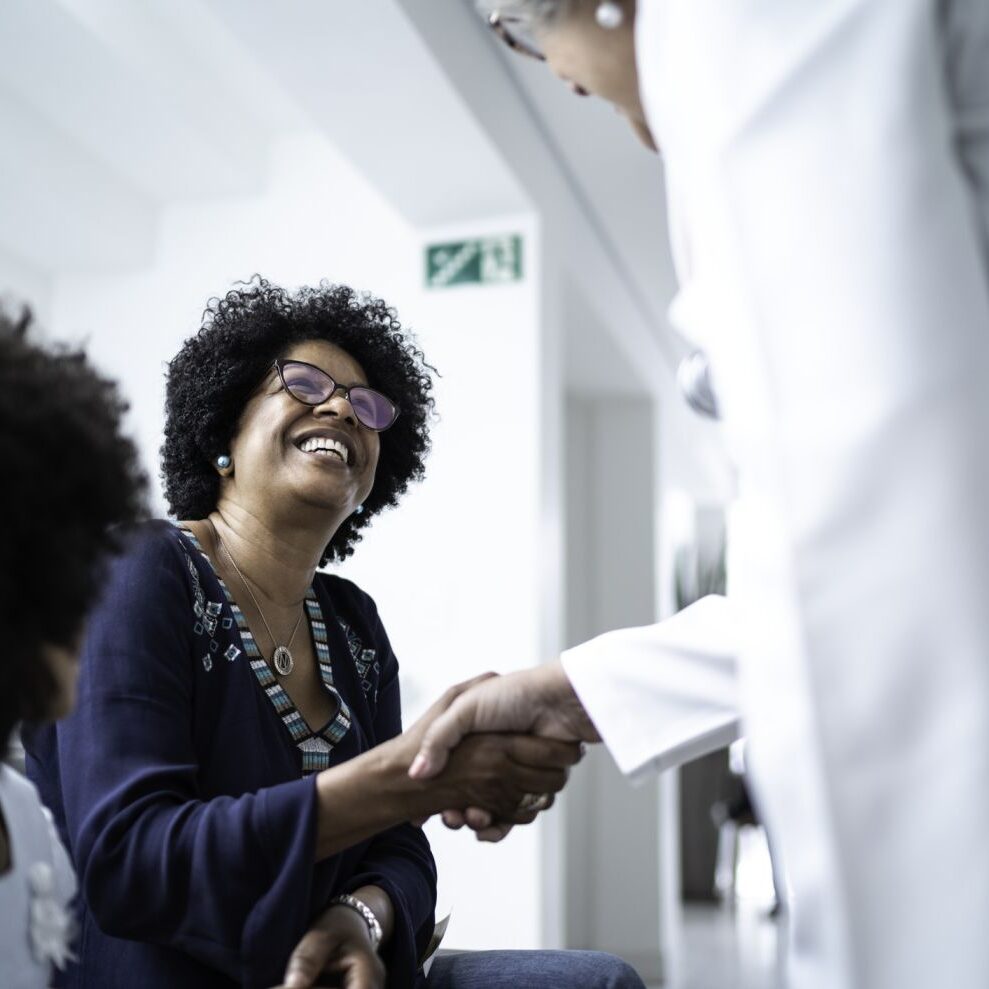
x,y
828,174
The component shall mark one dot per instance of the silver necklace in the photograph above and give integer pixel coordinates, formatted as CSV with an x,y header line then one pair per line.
x,y
282,656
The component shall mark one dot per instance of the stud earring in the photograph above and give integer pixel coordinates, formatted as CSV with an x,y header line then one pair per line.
x,y
223,461
359,510
609,15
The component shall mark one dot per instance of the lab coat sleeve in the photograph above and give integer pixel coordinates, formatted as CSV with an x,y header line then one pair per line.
x,y
663,694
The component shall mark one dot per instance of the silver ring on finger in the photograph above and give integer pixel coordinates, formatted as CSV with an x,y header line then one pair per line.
x,y
533,802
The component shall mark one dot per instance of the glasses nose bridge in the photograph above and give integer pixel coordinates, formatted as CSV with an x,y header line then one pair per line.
x,y
341,390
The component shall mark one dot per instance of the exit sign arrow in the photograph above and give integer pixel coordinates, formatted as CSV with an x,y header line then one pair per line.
x,y
481,261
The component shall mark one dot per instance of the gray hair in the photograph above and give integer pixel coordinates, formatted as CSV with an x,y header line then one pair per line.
x,y
539,12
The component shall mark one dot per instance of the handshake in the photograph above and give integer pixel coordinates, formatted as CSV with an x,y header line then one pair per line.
x,y
493,751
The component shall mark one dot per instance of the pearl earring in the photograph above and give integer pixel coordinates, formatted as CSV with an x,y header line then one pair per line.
x,y
609,15
223,461
359,510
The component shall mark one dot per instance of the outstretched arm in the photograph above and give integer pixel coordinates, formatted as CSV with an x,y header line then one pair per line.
x,y
658,696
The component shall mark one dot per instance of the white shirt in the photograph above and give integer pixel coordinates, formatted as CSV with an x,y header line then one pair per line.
x,y
36,893
828,175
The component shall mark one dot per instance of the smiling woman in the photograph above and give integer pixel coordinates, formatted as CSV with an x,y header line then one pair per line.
x,y
234,781
216,371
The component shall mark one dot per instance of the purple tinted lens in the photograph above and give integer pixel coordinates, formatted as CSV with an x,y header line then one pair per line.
x,y
307,384
372,408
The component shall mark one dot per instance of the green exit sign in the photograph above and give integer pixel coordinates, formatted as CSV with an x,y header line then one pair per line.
x,y
484,261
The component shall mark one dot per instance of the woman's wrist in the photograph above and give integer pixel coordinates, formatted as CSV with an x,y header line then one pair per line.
x,y
371,793
368,924
405,798
399,796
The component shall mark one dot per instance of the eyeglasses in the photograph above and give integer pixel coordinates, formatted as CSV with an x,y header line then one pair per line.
x,y
511,29
311,385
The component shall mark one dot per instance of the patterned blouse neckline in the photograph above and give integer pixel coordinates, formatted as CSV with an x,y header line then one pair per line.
x,y
317,746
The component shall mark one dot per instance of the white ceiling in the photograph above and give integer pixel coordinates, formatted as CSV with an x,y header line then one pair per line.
x,y
111,109
365,77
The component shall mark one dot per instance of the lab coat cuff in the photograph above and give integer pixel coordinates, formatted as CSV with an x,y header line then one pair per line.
x,y
664,694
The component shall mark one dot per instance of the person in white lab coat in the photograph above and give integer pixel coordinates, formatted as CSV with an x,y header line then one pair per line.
x,y
827,167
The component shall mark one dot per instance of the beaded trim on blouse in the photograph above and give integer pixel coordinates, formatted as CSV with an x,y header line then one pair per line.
x,y
315,747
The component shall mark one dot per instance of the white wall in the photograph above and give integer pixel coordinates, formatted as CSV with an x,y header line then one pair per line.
x,y
455,570
22,283
612,834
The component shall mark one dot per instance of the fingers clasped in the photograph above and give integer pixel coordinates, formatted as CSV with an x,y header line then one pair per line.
x,y
539,701
497,771
507,780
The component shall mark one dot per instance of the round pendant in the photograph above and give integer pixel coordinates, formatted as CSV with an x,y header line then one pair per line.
x,y
283,661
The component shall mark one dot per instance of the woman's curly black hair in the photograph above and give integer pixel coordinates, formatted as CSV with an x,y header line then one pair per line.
x,y
216,371
70,480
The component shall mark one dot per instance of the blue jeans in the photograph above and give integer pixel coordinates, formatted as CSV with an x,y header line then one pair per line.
x,y
531,970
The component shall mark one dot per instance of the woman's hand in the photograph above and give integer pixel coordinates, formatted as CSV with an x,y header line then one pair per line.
x,y
497,771
487,825
483,824
336,951
493,772
540,701
500,771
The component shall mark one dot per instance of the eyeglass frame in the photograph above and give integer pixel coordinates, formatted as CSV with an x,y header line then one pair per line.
x,y
337,387
499,23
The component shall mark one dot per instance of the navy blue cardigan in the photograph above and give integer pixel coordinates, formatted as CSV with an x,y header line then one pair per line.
x,y
180,796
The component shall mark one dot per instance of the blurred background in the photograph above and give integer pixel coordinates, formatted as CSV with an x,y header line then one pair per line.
x,y
153,153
